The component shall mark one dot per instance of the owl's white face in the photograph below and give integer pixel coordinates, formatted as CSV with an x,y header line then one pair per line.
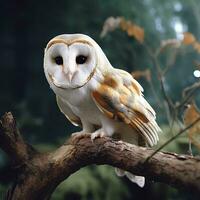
x,y
68,62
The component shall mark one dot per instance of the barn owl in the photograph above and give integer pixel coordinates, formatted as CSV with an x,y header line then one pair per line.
x,y
103,100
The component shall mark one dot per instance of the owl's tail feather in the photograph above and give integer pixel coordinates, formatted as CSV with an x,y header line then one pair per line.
x,y
139,180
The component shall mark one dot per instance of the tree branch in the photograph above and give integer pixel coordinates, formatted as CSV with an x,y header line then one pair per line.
x,y
188,93
174,137
40,174
11,141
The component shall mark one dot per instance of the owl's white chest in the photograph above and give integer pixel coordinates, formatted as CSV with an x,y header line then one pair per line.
x,y
85,108
81,103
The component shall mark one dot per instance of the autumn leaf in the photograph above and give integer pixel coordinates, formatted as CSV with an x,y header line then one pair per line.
x,y
174,43
191,114
188,38
196,46
142,74
132,30
110,25
123,24
138,33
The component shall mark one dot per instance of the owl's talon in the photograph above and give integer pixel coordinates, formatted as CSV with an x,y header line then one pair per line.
x,y
97,134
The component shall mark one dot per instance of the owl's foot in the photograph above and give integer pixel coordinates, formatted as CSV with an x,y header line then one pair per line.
x,y
80,134
99,133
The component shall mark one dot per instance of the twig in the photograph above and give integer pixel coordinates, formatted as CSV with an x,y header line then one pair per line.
x,y
154,93
170,63
161,79
190,90
154,58
192,87
172,139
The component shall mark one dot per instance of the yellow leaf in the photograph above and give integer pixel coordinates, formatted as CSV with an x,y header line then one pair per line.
x,y
132,30
123,24
196,46
110,25
148,75
139,33
191,114
142,74
188,38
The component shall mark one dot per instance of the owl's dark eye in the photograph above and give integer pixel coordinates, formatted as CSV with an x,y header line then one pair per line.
x,y
81,59
58,60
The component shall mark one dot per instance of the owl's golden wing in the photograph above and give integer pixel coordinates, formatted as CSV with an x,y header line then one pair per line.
x,y
65,109
120,97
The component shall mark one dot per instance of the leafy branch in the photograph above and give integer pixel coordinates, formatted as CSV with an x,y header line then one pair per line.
x,y
172,109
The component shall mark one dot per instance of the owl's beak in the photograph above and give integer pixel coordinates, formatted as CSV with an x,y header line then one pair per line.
x,y
69,76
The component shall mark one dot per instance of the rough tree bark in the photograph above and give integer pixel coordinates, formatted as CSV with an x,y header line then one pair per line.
x,y
40,173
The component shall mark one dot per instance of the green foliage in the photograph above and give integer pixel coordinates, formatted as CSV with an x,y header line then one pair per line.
x,y
180,145
94,182
3,189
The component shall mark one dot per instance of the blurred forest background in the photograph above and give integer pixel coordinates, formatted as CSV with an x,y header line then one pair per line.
x,y
155,40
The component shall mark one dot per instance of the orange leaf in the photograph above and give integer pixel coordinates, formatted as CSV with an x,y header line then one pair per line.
x,y
132,30
188,38
196,46
139,33
123,24
191,114
145,74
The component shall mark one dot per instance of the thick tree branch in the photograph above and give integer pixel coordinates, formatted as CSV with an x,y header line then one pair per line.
x,y
11,141
40,174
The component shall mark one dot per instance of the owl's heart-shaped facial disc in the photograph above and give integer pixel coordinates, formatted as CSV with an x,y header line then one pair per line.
x,y
69,63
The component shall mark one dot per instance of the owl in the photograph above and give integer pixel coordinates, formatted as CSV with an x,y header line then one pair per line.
x,y
94,95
